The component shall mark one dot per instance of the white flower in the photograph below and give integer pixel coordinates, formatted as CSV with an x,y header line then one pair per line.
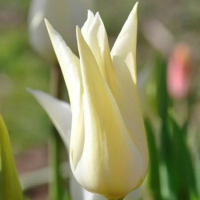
x,y
63,14
108,147
60,114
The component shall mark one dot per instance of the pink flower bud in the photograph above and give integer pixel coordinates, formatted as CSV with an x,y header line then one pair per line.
x,y
179,72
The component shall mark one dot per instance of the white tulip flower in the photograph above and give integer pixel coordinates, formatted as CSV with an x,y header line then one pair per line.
x,y
63,14
108,148
60,114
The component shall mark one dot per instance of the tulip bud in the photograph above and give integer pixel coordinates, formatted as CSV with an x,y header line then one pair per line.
x,y
60,114
63,14
108,147
179,73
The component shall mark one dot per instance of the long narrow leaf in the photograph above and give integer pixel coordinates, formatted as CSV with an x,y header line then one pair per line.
x,y
153,174
11,189
166,147
186,187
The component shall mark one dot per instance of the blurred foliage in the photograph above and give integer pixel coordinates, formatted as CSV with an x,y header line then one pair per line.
x,y
21,68
173,174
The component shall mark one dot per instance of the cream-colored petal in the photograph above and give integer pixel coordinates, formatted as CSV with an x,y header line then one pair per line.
x,y
58,111
126,95
78,192
87,24
125,45
127,98
70,66
111,154
93,41
97,40
134,195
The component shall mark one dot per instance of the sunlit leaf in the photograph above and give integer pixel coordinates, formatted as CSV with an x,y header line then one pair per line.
x,y
11,189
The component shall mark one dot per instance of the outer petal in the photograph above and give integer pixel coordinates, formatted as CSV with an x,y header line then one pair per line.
x,y
126,95
77,192
97,40
125,45
69,64
71,70
58,111
109,153
60,114
134,195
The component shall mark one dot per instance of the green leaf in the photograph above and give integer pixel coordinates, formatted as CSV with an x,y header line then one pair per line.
x,y
11,189
1,198
153,174
156,88
185,177
166,144
161,86
197,164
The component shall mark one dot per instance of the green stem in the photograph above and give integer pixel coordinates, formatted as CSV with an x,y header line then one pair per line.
x,y
55,187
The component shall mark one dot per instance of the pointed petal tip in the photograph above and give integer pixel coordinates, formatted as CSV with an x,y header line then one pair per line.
x,y
98,17
49,27
79,38
90,13
29,90
46,20
77,29
135,8
97,14
33,92
78,34
46,23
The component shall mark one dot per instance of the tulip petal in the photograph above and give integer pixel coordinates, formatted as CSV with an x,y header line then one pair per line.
x,y
108,148
97,40
59,113
125,45
70,66
127,98
77,192
11,188
126,95
87,24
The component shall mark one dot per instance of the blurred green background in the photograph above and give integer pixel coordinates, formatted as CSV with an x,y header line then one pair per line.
x,y
20,67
